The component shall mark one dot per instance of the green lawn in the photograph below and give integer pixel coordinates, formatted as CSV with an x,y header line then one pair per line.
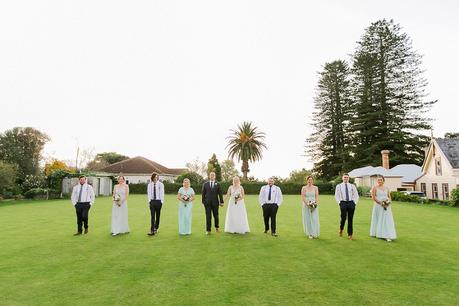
x,y
42,263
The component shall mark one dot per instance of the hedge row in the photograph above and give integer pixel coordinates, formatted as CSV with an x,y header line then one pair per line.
x,y
249,188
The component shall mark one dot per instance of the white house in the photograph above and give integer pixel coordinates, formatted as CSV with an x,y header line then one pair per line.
x,y
139,169
400,177
100,182
440,171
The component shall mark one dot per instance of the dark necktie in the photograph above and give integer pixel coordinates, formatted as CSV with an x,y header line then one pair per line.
x,y
347,192
269,194
81,191
154,191
211,185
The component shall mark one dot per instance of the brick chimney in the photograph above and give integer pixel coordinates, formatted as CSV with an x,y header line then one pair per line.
x,y
385,159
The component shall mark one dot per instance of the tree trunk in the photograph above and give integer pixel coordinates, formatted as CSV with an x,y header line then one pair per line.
x,y
245,169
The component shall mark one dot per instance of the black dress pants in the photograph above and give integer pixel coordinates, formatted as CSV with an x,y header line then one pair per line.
x,y
155,212
82,210
270,212
211,210
347,211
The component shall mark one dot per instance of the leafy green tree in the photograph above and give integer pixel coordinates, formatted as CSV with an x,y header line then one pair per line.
x,y
111,157
298,176
214,166
8,175
23,147
246,144
102,160
229,170
195,178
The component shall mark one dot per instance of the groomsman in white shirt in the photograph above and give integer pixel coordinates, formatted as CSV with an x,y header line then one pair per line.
x,y
155,190
82,198
346,196
270,199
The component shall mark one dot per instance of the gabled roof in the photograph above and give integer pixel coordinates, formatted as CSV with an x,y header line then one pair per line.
x,y
408,172
450,147
140,165
369,171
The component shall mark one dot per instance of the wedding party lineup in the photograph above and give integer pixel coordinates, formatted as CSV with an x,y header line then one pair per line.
x,y
236,222
220,153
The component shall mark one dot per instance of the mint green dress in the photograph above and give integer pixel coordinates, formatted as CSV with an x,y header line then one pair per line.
x,y
382,221
184,215
311,223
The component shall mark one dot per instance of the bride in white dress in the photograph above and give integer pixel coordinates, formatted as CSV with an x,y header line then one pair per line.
x,y
236,214
120,223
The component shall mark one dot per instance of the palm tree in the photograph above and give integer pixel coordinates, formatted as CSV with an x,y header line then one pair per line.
x,y
246,143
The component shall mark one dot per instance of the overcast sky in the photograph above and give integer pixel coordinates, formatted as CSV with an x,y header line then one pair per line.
x,y
167,80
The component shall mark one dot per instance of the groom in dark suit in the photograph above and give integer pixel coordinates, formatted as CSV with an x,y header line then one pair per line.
x,y
212,198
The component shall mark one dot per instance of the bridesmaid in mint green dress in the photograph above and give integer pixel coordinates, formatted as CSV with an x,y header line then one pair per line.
x,y
310,194
185,196
382,220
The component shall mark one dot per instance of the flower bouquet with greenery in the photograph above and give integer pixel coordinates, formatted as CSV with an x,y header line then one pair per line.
x,y
186,199
385,204
117,199
312,205
237,197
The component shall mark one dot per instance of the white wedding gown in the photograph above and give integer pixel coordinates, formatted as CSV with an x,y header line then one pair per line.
x,y
236,215
120,223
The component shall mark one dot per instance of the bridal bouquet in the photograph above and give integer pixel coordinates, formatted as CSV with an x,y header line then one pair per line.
x,y
312,205
117,199
237,197
385,204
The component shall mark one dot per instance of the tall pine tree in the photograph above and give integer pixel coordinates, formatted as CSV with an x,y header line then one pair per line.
x,y
329,144
389,95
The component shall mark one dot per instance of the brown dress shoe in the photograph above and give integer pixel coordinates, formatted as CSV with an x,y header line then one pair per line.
x,y
350,237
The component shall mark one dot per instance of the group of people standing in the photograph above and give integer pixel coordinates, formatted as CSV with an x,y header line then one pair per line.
x,y
270,198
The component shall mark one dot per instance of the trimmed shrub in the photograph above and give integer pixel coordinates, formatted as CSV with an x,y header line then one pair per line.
x,y
454,198
33,182
36,193
249,187
364,191
399,196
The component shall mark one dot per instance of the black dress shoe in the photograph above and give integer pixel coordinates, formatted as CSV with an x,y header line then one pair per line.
x,y
274,234
85,230
76,234
265,232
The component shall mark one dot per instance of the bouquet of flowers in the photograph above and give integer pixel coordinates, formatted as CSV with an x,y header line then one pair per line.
x,y
117,199
385,204
186,199
237,197
312,205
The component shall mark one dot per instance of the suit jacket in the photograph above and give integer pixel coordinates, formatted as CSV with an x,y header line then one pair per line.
x,y
212,196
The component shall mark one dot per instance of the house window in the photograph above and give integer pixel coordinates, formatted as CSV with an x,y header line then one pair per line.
x,y
435,191
445,188
424,188
438,166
